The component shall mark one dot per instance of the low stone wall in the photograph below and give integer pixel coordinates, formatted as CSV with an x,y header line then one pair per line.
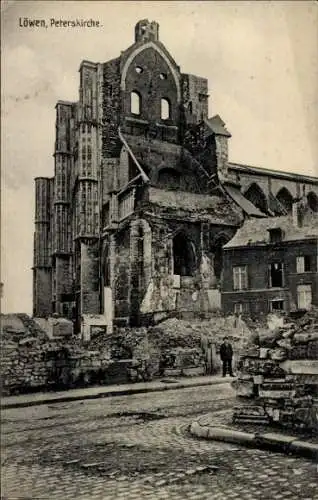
x,y
31,365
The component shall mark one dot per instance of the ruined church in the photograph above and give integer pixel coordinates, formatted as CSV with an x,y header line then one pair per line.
x,y
143,198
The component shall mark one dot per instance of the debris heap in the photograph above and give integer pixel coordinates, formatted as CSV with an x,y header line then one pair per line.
x,y
280,372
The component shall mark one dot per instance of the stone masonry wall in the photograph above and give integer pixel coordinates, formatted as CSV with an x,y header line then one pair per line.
x,y
90,277
111,108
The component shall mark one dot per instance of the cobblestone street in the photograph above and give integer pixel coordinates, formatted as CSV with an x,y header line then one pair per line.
x,y
137,447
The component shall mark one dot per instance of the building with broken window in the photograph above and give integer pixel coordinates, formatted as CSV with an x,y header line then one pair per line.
x,y
271,264
143,197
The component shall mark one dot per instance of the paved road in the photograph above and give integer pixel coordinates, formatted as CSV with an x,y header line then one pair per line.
x,y
137,447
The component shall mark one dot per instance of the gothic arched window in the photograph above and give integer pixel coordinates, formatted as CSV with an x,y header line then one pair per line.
x,y
285,198
256,196
312,201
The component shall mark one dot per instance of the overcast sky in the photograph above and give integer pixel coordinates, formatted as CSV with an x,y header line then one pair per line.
x,y
261,60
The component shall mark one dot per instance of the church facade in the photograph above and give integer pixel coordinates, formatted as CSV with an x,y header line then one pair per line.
x,y
143,198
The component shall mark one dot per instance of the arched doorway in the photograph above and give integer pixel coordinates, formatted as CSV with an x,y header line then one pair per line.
x,y
184,256
285,199
256,196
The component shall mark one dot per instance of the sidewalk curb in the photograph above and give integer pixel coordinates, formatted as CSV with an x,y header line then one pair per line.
x,y
269,441
106,393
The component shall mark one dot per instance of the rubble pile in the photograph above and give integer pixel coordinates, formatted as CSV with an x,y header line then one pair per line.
x,y
174,333
181,333
34,360
280,372
143,370
177,345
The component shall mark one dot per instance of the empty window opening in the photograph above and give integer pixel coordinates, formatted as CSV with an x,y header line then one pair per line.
x,y
277,305
239,277
135,103
184,260
165,109
256,196
303,264
312,201
285,199
276,274
163,76
304,297
275,235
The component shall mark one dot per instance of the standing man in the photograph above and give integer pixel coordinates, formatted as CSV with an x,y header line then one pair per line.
x,y
226,354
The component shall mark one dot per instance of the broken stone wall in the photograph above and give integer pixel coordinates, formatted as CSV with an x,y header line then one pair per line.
x,y
121,284
196,290
28,365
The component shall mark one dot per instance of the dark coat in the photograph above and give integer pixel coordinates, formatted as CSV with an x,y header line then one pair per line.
x,y
226,352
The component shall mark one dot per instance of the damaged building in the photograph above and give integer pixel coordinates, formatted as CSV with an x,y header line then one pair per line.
x,y
143,197
271,264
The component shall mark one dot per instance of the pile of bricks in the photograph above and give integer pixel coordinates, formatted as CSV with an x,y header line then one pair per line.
x,y
280,373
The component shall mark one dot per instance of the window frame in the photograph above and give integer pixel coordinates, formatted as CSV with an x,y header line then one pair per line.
x,y
303,262
238,308
304,291
135,107
277,300
270,280
240,273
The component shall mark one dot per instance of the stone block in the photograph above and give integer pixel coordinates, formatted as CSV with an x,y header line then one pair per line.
x,y
278,354
263,352
302,338
307,379
301,366
277,438
198,430
230,435
305,448
244,388
193,372
276,394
